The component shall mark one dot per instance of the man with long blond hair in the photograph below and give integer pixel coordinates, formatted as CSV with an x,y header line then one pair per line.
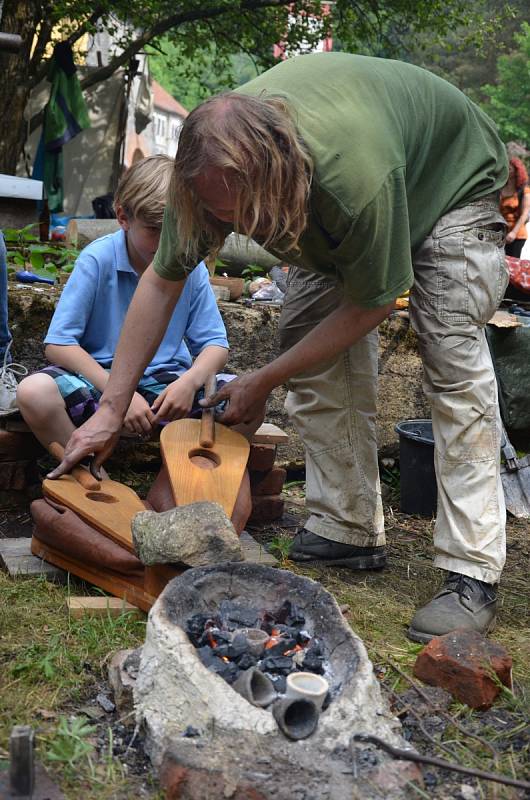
x,y
371,177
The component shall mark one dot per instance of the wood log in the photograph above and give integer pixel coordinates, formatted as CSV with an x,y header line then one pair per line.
x,y
81,232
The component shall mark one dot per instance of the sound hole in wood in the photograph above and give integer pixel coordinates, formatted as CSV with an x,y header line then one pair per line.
x,y
205,459
101,497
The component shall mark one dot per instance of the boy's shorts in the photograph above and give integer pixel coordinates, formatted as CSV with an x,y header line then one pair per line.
x,y
81,398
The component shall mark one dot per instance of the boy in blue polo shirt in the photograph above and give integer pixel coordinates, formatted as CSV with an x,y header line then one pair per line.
x,y
86,325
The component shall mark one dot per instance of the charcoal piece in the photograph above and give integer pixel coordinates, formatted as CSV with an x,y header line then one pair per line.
x,y
239,645
222,651
191,732
238,616
303,638
281,647
214,635
196,625
225,669
267,621
279,682
206,655
289,614
280,664
314,658
246,660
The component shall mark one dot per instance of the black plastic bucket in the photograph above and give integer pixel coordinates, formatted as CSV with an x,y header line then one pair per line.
x,y
416,467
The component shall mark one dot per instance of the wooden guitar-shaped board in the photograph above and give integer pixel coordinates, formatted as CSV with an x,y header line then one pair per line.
x,y
110,509
204,472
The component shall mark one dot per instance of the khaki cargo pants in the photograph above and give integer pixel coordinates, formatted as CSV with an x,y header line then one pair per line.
x,y
460,278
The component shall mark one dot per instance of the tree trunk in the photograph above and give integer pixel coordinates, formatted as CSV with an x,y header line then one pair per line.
x,y
22,17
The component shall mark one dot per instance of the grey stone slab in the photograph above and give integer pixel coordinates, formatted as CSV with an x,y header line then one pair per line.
x,y
254,552
19,562
44,788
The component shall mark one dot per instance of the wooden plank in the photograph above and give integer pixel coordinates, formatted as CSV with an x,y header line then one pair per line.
x,y
268,433
198,473
117,585
19,562
110,510
254,552
79,607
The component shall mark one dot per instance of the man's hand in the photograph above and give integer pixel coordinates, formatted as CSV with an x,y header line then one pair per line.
x,y
139,418
98,437
175,402
247,397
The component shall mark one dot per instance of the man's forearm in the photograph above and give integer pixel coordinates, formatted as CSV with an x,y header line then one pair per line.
x,y
143,330
335,334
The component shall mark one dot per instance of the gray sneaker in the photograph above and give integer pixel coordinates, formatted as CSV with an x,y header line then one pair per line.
x,y
462,602
9,372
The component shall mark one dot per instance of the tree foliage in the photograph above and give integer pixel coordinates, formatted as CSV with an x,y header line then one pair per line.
x,y
509,99
206,34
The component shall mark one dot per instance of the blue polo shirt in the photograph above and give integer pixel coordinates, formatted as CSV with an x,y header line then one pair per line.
x,y
94,302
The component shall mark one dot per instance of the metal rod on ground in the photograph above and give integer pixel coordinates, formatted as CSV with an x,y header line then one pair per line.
x,y
410,755
21,764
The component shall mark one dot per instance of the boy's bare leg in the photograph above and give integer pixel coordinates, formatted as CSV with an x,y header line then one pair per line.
x,y
43,409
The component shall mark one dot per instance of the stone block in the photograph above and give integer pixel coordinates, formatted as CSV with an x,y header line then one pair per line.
x,y
467,665
122,673
262,457
266,508
13,475
270,482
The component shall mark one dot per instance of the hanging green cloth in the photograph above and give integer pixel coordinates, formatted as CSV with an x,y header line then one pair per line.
x,y
65,116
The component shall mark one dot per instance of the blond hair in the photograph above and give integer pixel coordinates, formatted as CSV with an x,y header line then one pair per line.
x,y
143,189
255,142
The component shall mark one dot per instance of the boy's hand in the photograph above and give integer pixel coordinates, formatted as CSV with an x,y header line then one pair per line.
x,y
139,418
175,402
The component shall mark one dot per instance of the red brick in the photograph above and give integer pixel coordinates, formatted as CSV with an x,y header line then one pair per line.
x,y
465,664
187,783
266,508
17,446
13,475
262,457
270,482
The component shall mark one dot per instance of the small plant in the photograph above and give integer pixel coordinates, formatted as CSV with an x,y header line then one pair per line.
x,y
252,271
45,259
69,744
280,546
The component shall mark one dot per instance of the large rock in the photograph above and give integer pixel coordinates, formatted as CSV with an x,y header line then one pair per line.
x,y
197,535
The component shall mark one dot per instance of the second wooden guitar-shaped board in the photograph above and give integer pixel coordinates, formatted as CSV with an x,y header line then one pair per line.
x,y
198,473
109,510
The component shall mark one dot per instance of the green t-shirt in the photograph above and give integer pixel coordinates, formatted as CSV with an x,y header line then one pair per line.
x,y
394,148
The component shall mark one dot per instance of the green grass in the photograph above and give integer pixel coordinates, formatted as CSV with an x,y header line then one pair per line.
x,y
50,663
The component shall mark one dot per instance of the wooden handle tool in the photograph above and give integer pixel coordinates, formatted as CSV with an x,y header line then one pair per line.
x,y
207,432
81,475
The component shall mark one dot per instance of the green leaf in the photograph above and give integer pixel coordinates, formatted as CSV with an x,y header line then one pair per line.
x,y
37,261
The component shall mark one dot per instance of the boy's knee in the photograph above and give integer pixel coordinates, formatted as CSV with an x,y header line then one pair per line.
x,y
38,393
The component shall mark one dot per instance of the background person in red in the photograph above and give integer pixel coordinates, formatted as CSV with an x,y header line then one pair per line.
x,y
515,207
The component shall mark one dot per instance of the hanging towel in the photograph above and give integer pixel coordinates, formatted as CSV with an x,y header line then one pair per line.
x,y
65,116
